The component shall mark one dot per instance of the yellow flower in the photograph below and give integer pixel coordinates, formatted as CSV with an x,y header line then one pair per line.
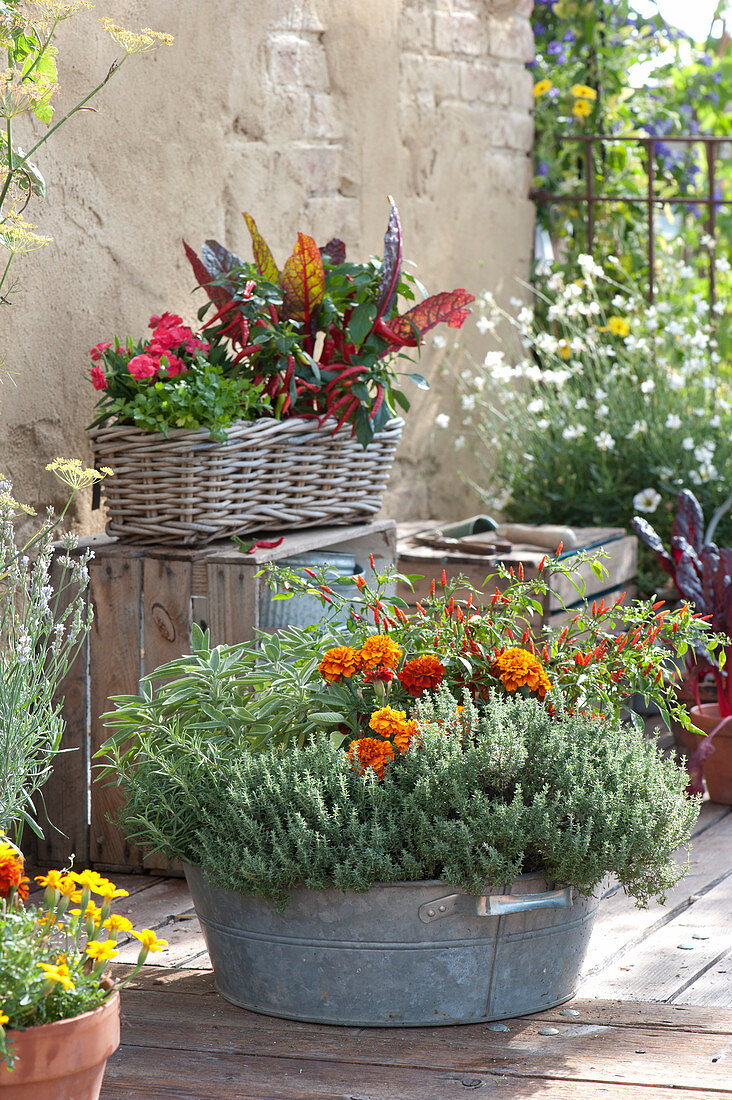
x,y
581,108
73,474
67,885
387,722
149,940
56,10
4,1019
16,236
618,326
101,950
58,973
541,88
135,43
92,912
116,923
109,891
564,349
52,879
581,91
516,668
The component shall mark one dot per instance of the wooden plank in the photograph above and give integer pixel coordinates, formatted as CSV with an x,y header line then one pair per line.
x,y
233,600
620,924
114,669
155,906
66,793
712,988
663,965
640,1056
166,614
185,943
140,1073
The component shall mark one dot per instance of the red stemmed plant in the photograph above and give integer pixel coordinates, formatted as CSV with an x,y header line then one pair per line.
x,y
320,335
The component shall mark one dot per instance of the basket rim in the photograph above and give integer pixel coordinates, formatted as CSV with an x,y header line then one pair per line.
x,y
294,425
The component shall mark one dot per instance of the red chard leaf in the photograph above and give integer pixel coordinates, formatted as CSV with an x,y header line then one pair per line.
x,y
689,520
391,268
646,533
263,258
303,279
449,306
218,261
334,252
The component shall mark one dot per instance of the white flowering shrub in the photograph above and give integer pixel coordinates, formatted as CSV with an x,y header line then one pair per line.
x,y
598,411
43,623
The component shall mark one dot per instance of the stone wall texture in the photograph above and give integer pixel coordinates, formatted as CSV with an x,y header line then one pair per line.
x,y
305,113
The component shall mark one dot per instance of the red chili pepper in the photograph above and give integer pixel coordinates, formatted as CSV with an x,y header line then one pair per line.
x,y
451,606
308,571
545,652
521,571
542,563
372,563
560,548
620,600
526,635
360,583
324,588
432,587
443,578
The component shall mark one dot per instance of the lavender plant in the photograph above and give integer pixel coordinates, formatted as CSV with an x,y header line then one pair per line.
x,y
44,619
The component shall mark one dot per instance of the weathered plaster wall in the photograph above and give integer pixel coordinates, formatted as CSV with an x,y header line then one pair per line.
x,y
304,112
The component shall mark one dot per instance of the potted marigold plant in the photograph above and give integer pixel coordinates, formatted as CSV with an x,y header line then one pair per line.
x,y
294,373
59,1010
405,820
702,574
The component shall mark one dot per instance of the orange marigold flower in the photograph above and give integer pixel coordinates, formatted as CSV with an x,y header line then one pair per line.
x,y
387,722
339,663
405,736
370,752
378,650
517,668
11,872
422,674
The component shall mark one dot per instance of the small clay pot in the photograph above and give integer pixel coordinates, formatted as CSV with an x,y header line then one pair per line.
x,y
64,1060
717,769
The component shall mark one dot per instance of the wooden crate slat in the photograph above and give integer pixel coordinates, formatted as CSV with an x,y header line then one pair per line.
x,y
114,669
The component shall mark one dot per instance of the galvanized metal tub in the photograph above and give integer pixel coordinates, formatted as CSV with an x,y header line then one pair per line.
x,y
406,954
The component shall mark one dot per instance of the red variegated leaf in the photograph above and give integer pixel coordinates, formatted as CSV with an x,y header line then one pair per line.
x,y
334,252
217,294
303,279
689,519
263,258
391,268
448,306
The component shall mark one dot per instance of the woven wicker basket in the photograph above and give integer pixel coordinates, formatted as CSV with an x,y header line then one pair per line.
x,y
268,475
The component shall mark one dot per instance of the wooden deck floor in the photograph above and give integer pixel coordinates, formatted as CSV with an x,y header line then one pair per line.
x,y
654,1013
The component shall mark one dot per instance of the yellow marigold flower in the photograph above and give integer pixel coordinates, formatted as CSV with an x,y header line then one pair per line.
x,y
131,43
581,108
51,878
73,474
4,1019
517,668
17,236
149,940
101,950
57,974
618,326
564,350
339,663
92,912
387,722
68,887
378,650
582,91
541,88
116,923
369,752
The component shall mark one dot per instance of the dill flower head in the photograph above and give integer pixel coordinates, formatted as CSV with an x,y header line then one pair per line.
x,y
73,474
339,663
370,752
422,674
56,10
16,235
18,94
378,650
131,43
517,668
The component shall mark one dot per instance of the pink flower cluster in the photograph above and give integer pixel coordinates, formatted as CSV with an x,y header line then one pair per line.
x,y
169,334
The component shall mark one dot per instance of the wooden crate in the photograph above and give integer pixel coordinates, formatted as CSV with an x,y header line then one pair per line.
x,y
145,602
621,564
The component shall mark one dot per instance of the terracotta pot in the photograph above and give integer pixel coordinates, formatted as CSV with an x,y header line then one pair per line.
x,y
717,770
64,1060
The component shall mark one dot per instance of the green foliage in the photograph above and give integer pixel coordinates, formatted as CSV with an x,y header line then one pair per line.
x,y
483,797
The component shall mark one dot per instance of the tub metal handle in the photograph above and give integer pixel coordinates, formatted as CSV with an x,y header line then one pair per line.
x,y
493,905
